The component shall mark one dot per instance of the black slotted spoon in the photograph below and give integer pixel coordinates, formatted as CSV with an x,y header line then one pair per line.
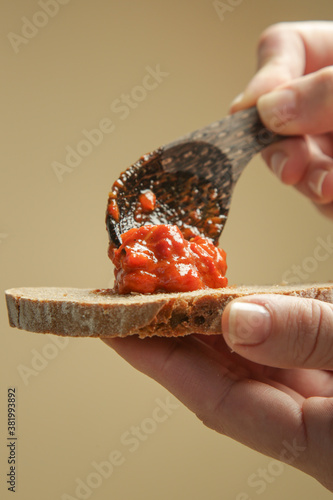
x,y
191,178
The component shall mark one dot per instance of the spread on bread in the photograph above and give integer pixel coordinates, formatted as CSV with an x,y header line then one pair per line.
x,y
157,258
163,229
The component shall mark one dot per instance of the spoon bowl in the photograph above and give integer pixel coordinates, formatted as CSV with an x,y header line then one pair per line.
x,y
190,181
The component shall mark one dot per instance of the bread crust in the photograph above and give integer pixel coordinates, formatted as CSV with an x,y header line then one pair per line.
x,y
78,312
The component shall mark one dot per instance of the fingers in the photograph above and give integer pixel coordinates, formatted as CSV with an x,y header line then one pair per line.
x,y
288,159
287,51
317,183
308,383
300,162
218,395
293,91
318,418
185,366
281,57
264,417
302,106
281,331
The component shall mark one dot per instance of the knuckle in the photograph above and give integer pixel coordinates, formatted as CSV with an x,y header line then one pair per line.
x,y
313,346
210,421
266,41
213,414
324,82
271,36
318,426
273,31
282,46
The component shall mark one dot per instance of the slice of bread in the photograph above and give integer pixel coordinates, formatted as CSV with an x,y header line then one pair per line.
x,y
100,313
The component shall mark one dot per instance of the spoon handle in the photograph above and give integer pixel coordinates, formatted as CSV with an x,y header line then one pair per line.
x,y
239,137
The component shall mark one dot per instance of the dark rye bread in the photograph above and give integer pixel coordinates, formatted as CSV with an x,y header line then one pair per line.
x,y
100,313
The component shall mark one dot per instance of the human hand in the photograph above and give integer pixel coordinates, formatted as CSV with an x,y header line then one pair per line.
x,y
293,91
267,382
272,389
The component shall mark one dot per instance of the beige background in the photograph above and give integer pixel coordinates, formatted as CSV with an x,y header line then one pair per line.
x,y
76,401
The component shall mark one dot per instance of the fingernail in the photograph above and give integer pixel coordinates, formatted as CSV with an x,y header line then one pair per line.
x,y
237,99
278,161
277,108
249,323
316,181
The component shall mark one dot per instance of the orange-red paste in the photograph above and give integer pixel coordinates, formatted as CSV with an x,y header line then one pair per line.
x,y
158,258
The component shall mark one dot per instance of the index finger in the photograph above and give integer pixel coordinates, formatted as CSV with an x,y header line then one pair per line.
x,y
287,51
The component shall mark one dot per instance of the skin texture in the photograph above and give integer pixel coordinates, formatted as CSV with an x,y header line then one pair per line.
x,y
274,361
293,90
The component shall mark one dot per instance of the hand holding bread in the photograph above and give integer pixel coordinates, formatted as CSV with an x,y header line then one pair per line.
x,y
267,380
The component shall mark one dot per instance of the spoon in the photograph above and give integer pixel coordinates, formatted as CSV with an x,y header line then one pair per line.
x,y
188,182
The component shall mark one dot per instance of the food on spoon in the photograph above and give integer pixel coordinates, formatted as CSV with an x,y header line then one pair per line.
x,y
169,188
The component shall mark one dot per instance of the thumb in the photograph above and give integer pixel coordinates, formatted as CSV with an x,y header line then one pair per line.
x,y
281,331
303,106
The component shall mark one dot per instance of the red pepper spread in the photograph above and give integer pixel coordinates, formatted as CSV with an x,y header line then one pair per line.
x,y
158,258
